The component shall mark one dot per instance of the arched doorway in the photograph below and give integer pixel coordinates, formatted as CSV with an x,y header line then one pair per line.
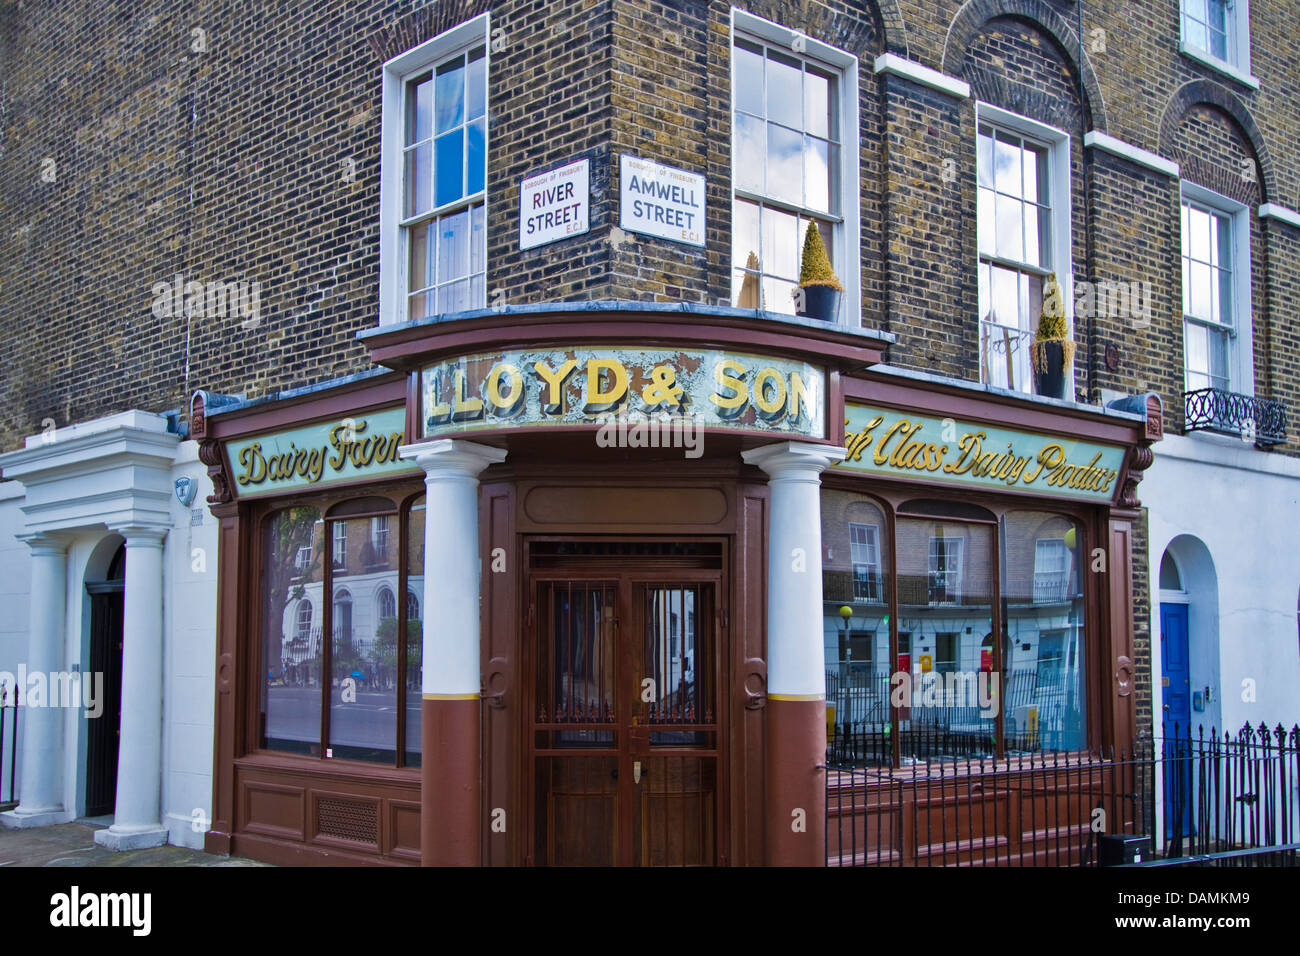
x,y
1189,635
103,732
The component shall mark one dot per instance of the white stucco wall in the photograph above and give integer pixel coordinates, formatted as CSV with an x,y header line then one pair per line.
x,y
189,645
1244,506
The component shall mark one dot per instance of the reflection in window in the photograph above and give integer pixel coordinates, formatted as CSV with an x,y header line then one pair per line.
x,y
364,666
855,588
1014,225
444,173
414,629
945,602
1043,625
786,170
290,642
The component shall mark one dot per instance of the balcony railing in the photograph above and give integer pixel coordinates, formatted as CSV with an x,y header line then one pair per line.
x,y
1214,409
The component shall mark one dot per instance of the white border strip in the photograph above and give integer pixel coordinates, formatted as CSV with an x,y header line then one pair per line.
x,y
1271,210
1222,66
892,63
1133,154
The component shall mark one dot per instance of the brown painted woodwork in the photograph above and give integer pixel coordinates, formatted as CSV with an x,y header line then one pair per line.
x,y
624,772
796,782
1121,704
451,817
412,345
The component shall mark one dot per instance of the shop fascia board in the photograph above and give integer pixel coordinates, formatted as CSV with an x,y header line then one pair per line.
x,y
114,472
974,402
409,346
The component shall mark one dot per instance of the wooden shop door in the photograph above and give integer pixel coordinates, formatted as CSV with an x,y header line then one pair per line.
x,y
626,749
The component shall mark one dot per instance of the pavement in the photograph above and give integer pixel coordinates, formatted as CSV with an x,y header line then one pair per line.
x,y
73,844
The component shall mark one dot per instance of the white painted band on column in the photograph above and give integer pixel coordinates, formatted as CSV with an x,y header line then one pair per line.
x,y
795,653
139,762
41,790
452,563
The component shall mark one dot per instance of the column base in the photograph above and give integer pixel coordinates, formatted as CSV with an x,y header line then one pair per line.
x,y
796,781
131,838
20,819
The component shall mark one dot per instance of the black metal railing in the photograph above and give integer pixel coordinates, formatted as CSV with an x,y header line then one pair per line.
x,y
1175,796
8,751
1214,409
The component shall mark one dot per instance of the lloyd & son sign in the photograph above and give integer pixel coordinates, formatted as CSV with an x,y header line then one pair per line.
x,y
903,445
593,385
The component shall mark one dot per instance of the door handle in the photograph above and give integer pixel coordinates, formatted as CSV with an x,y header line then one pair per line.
x,y
636,771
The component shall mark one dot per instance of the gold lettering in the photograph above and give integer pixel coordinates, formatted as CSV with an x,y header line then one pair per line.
x,y
1049,456
800,404
733,404
254,465
774,409
969,445
505,404
464,409
604,400
880,456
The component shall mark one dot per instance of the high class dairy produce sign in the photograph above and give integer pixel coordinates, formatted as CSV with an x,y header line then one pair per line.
x,y
555,205
661,201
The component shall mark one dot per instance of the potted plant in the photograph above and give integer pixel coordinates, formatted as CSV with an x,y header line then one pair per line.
x,y
819,288
1052,350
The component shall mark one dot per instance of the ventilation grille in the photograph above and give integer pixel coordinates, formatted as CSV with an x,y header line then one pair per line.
x,y
348,820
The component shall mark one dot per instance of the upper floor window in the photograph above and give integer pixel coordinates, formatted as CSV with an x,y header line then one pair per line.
x,y
1216,292
794,162
1217,32
1022,213
340,544
433,243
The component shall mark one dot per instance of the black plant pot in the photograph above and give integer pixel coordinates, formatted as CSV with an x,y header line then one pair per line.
x,y
820,302
1050,382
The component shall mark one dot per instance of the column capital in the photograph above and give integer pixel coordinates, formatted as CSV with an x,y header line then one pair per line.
x,y
793,459
141,535
44,542
452,457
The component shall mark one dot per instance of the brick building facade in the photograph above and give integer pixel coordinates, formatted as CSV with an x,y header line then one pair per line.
x,y
244,150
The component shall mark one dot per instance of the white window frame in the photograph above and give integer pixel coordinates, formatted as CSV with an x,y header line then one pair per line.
x,y
393,254
1061,245
1241,346
338,538
952,581
1056,579
847,245
872,544
1237,64
299,633
380,528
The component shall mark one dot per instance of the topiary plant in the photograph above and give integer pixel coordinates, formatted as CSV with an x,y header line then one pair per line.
x,y
1051,327
816,266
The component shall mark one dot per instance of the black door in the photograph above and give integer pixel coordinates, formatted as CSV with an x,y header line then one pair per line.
x,y
103,732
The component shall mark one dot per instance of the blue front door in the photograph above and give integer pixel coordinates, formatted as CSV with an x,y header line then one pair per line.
x,y
1177,719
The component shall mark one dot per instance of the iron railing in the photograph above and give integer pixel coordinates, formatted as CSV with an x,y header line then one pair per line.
x,y
1183,795
9,721
1215,409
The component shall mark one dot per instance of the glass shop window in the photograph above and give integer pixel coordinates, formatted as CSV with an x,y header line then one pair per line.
x,y
342,698
1043,627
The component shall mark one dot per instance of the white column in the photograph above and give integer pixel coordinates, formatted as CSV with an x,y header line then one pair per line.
x,y
795,652
794,785
41,795
136,816
451,563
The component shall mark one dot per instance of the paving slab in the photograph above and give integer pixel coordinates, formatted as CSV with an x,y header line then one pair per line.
x,y
73,844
